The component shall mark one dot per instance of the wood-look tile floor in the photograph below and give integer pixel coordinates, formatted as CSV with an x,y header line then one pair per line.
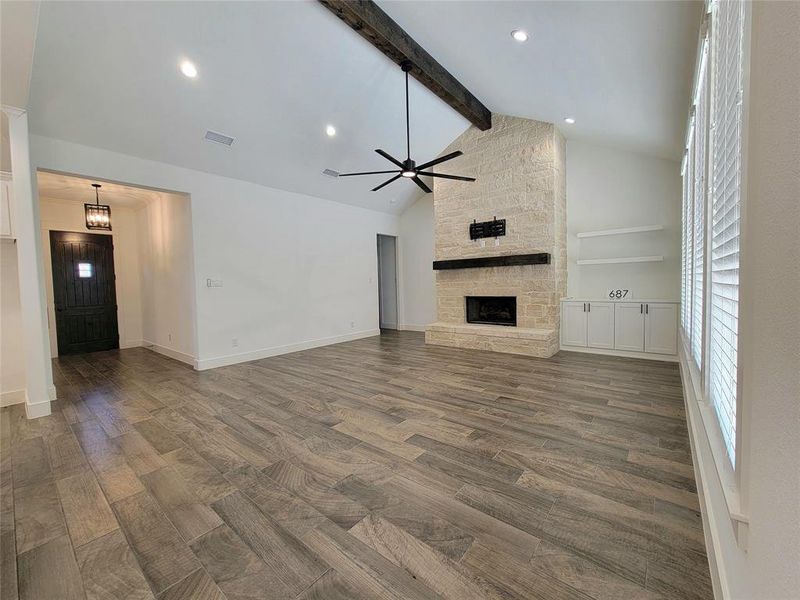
x,y
380,468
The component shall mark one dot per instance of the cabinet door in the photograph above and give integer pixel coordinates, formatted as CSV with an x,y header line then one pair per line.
x,y
661,328
573,323
629,326
600,325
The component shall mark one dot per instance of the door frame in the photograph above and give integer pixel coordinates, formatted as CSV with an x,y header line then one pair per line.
x,y
396,279
56,235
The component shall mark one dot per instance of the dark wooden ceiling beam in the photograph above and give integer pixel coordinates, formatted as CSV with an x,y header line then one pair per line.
x,y
381,31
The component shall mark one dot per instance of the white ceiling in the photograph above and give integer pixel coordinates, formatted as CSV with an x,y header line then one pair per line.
x,y
621,69
70,188
273,74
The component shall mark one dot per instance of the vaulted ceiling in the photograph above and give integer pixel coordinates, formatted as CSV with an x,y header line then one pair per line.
x,y
274,74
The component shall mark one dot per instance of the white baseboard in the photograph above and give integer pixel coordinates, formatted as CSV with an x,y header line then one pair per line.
x,y
131,344
408,327
32,411
12,397
232,359
177,355
39,409
623,353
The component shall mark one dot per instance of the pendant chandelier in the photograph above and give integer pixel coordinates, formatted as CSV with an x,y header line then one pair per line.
x,y
98,216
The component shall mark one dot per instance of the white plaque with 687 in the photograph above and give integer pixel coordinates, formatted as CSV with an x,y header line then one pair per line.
x,y
619,294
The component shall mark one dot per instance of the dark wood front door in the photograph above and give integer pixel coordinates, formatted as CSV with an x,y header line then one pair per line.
x,y
84,292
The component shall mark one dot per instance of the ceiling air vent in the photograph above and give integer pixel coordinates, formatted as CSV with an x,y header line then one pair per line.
x,y
330,173
219,138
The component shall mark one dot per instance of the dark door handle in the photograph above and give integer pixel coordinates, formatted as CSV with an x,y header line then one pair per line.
x,y
647,309
590,306
59,308
641,308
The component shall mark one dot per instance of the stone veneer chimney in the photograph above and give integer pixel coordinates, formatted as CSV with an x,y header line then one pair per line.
x,y
520,167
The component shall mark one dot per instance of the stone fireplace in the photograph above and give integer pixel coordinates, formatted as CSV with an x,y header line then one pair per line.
x,y
520,170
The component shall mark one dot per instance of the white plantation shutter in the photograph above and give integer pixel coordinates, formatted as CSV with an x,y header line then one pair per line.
x,y
684,246
726,141
688,234
699,222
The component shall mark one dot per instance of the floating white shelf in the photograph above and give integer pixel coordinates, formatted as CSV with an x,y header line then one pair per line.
x,y
639,229
613,261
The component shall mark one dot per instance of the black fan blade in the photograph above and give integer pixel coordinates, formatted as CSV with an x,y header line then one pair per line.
x,y
386,183
389,157
441,159
442,175
366,173
421,184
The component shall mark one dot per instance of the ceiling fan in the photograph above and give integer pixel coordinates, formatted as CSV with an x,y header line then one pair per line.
x,y
409,168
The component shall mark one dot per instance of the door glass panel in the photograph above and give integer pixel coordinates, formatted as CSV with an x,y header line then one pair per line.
x,y
84,270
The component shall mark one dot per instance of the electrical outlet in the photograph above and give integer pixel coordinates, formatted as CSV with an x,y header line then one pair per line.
x,y
352,324
169,335
235,342
213,283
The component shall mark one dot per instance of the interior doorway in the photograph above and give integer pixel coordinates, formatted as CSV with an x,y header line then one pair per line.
x,y
387,281
84,292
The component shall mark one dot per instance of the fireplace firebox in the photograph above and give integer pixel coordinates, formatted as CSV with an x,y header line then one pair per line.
x,y
492,310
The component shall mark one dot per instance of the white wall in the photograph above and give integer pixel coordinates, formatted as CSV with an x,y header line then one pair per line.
x,y
60,215
612,189
296,271
164,229
765,566
417,278
12,360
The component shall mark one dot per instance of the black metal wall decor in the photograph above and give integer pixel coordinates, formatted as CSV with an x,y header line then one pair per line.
x,y
98,216
487,229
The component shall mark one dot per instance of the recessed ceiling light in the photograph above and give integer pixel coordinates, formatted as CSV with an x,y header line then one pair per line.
x,y
569,120
188,69
330,130
520,35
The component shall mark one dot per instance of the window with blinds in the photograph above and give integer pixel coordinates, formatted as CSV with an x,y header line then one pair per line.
x,y
685,246
711,213
699,208
724,213
688,235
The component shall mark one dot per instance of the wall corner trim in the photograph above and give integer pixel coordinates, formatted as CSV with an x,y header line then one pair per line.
x,y
37,409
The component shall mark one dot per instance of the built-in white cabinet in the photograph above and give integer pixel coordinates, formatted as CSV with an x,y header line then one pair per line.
x,y
573,323
600,325
629,326
649,327
587,324
661,328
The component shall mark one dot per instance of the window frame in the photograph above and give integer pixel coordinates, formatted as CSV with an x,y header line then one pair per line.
x,y
733,475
